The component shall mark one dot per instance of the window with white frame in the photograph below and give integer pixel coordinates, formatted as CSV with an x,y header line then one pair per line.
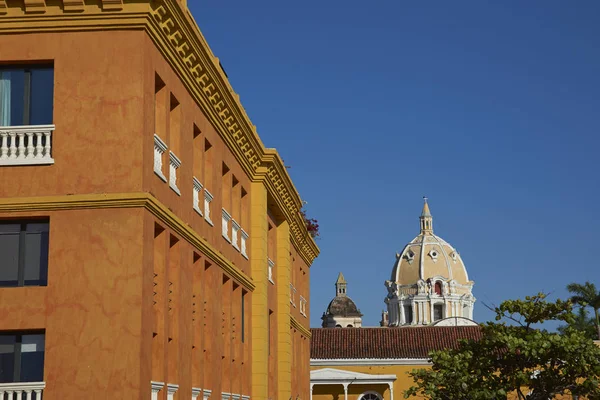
x,y
302,305
370,395
271,267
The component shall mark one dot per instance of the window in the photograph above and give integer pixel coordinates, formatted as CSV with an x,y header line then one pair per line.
x,y
438,288
438,312
370,396
21,357
26,95
408,314
24,249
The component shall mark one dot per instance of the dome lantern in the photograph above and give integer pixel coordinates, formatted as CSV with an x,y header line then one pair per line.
x,y
426,218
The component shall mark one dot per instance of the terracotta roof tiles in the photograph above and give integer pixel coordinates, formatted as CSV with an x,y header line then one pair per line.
x,y
404,342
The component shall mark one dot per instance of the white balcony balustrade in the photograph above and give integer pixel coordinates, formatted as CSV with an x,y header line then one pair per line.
x,y
22,391
159,149
244,243
171,390
26,145
156,388
174,164
225,218
207,199
196,196
235,228
196,392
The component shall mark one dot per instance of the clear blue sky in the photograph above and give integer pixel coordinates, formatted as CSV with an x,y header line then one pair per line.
x,y
491,109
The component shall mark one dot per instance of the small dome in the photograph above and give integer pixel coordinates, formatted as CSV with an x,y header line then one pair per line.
x,y
343,307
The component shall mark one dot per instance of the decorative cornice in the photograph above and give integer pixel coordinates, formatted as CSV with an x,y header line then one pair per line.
x,y
176,35
35,6
301,328
73,5
128,200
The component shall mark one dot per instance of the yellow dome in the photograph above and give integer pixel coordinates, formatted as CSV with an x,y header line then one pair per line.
x,y
429,281
428,256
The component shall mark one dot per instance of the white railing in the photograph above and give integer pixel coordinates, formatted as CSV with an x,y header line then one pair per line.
x,y
159,149
196,392
196,196
207,199
171,390
243,243
235,228
26,145
22,391
174,164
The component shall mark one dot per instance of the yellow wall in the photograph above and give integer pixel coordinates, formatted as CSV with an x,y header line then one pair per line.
x,y
336,392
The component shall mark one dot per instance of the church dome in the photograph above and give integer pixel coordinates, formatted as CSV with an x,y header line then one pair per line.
x,y
428,256
344,307
342,311
429,281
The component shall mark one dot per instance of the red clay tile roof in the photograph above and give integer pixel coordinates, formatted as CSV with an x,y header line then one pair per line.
x,y
406,342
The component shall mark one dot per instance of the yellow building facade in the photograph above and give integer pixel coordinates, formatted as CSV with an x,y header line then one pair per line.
x,y
169,253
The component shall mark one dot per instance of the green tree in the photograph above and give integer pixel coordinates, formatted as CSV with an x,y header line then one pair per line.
x,y
586,295
516,359
581,322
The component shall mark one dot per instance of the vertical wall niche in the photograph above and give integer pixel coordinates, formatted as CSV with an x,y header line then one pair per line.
x,y
245,217
159,304
173,294
236,199
208,328
197,320
226,188
175,126
209,166
197,152
160,107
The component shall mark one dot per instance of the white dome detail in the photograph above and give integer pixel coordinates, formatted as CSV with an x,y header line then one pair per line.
x,y
429,280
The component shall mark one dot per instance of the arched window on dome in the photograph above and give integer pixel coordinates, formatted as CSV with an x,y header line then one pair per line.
x,y
338,326
349,326
438,288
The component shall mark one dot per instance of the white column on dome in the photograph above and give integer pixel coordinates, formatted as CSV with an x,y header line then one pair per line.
x,y
402,316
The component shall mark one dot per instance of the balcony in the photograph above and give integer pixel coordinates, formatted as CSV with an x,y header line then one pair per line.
x,y
26,145
22,391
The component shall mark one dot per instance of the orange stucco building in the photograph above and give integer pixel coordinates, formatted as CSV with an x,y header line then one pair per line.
x,y
151,247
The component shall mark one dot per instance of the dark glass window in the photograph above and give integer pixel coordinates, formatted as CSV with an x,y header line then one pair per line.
x,y
26,95
438,312
21,357
24,250
408,317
